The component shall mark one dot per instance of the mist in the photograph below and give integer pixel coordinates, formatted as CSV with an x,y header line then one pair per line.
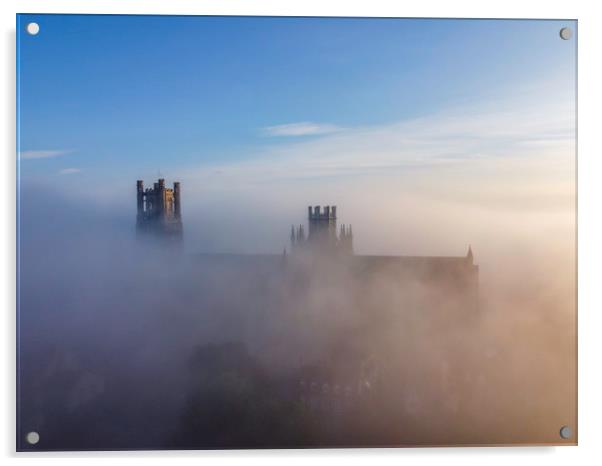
x,y
128,344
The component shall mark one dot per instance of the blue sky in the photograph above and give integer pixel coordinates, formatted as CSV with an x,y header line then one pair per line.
x,y
145,93
412,125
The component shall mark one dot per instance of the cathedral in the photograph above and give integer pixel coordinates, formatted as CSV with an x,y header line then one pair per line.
x,y
320,248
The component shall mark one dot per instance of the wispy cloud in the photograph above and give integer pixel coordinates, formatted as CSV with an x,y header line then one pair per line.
x,y
42,154
69,171
305,128
500,132
491,173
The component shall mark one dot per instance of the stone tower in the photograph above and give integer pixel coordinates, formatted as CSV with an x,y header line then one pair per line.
x,y
159,211
322,233
322,225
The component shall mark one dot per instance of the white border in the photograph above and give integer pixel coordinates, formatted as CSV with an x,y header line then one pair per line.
x,y
590,211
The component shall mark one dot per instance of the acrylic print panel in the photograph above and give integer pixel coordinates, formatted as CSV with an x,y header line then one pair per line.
x,y
261,232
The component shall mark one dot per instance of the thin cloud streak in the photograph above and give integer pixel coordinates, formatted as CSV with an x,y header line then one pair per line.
x,y
69,171
305,128
42,154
